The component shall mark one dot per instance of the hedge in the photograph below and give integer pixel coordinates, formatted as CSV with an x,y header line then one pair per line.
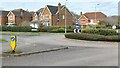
x,y
92,37
105,32
16,29
60,30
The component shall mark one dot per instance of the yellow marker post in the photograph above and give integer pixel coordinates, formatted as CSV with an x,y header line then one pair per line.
x,y
13,42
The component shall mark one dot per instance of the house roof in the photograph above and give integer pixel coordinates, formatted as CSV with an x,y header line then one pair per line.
x,y
32,13
17,13
40,10
3,13
53,9
91,15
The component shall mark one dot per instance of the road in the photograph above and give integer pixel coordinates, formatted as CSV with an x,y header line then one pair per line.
x,y
80,52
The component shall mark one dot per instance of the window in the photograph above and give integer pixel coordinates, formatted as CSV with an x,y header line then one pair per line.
x,y
83,20
41,17
63,16
11,17
46,16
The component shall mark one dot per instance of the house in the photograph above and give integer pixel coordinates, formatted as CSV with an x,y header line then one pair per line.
x,y
35,16
40,14
91,18
17,16
112,20
3,17
55,16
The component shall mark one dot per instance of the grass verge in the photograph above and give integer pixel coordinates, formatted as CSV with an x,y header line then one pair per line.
x,y
2,40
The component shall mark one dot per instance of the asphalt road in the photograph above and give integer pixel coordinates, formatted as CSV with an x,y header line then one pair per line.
x,y
80,52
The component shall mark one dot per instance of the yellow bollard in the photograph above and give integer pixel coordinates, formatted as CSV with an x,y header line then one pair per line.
x,y
13,41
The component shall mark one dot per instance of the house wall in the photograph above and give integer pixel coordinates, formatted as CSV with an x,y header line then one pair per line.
x,y
19,20
11,20
0,20
96,21
33,18
54,20
3,20
61,22
81,22
69,18
47,13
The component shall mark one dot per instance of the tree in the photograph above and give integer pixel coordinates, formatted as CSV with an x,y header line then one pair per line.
x,y
24,23
102,24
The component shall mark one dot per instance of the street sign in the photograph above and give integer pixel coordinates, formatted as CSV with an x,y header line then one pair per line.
x,y
13,42
77,26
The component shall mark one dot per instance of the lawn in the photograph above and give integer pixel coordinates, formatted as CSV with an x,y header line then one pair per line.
x,y
3,40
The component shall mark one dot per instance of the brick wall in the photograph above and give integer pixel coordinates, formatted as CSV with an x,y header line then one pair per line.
x,y
3,20
81,22
69,18
47,13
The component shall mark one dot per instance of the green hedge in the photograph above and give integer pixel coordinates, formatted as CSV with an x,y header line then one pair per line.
x,y
92,37
16,29
60,30
105,32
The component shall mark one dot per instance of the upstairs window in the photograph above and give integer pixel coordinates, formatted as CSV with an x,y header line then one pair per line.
x,y
47,17
11,17
63,16
82,20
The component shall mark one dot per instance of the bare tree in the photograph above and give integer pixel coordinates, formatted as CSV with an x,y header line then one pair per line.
x,y
24,23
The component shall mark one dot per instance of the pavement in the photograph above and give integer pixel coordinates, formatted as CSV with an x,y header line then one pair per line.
x,y
33,49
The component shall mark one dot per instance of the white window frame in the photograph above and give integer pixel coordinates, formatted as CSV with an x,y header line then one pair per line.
x,y
11,17
63,16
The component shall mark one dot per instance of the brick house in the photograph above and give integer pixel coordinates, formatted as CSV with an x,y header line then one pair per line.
x,y
40,11
35,16
91,18
55,15
18,15
3,17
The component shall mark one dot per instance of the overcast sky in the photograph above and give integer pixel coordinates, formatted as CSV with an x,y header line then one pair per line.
x,y
109,7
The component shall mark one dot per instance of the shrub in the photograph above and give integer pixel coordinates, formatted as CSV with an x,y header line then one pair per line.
x,y
92,37
21,29
61,30
3,28
16,29
100,31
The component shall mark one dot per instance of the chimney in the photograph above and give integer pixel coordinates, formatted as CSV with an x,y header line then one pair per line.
x,y
21,12
80,13
59,6
59,11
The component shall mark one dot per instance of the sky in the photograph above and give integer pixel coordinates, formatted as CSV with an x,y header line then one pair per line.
x,y
108,7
